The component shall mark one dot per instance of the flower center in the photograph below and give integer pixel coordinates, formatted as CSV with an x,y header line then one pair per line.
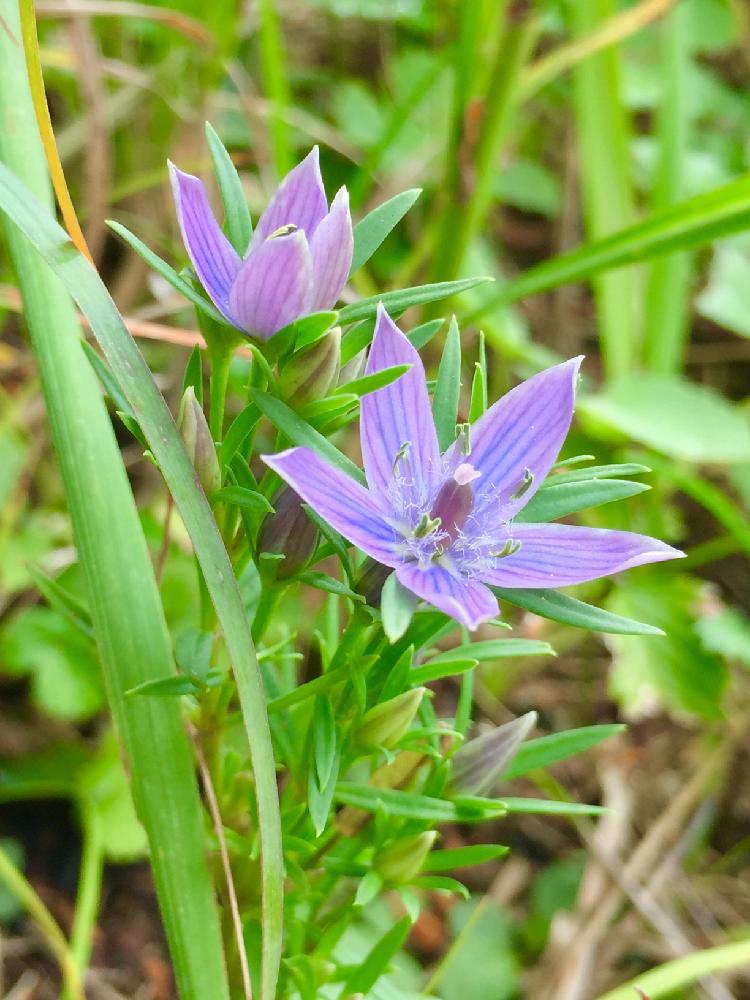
x,y
454,502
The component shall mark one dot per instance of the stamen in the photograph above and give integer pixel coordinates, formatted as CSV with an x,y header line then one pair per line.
x,y
508,549
286,230
402,453
426,526
524,486
463,434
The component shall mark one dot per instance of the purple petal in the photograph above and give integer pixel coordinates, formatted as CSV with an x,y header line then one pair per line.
x,y
468,601
398,414
331,247
274,285
212,255
346,505
521,434
300,200
557,555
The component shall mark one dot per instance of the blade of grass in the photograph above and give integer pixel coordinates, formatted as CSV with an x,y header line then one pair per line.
x,y
85,286
685,225
666,979
125,605
668,284
158,426
603,138
275,81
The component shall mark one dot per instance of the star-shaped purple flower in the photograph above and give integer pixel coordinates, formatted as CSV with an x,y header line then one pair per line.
x,y
445,523
298,259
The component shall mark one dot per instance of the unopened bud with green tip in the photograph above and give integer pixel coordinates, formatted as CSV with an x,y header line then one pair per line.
x,y
401,862
311,372
386,723
193,427
288,532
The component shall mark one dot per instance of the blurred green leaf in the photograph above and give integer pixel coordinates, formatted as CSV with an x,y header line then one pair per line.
x,y
448,388
677,671
548,750
559,607
237,222
464,857
370,232
673,416
553,500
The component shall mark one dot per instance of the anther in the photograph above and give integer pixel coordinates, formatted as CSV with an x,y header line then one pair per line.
x,y
524,486
284,231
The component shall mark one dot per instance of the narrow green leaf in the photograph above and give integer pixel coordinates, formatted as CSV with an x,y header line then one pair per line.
x,y
62,600
396,608
167,272
302,434
237,222
370,232
551,807
400,300
238,432
109,382
685,225
494,649
464,857
369,383
421,335
328,583
376,962
408,805
324,739
242,497
301,333
555,501
568,610
665,980
448,388
194,375
548,750
435,671
166,687
596,472
442,883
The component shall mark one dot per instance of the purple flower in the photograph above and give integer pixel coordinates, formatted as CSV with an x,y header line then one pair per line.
x,y
298,259
445,523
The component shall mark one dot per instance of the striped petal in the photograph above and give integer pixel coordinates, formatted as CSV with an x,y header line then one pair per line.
x,y
215,260
331,247
397,419
300,200
468,601
273,286
558,555
516,442
347,506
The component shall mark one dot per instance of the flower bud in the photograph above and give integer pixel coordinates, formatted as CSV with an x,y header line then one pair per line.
x,y
480,763
371,581
192,425
403,861
386,723
289,532
311,372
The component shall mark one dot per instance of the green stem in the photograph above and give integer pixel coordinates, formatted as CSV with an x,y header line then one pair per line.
x,y
89,887
24,892
269,599
220,356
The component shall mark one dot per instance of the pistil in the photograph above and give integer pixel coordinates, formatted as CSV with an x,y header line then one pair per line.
x,y
454,502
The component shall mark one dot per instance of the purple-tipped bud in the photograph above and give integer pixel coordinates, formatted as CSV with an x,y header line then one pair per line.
x,y
311,372
403,861
370,584
192,425
480,763
288,532
386,723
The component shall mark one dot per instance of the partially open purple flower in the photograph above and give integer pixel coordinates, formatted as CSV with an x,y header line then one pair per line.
x,y
298,259
445,522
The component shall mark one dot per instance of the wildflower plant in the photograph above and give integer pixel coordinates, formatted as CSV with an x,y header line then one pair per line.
x,y
362,591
